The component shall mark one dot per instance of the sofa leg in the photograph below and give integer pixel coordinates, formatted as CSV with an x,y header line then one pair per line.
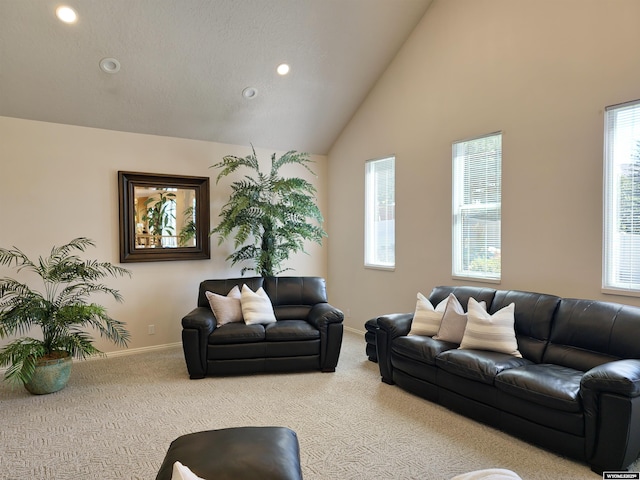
x,y
328,370
388,381
597,470
196,377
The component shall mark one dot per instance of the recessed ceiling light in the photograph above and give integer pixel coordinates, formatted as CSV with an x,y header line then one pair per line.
x,y
66,14
283,69
109,65
250,92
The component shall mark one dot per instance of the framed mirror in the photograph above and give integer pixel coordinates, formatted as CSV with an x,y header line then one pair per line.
x,y
163,217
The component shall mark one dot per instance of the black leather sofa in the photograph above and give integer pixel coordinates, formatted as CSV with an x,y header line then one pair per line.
x,y
575,391
306,336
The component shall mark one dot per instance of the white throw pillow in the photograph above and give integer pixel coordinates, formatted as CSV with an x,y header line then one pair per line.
x,y
426,319
226,309
454,321
256,306
490,332
489,474
180,472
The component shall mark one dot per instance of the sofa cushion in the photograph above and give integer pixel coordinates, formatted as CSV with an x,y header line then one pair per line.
x,y
495,332
478,365
237,333
549,385
289,330
227,309
533,317
422,349
462,294
256,307
588,333
426,319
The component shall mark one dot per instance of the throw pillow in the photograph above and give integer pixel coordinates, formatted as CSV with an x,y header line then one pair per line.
x,y
490,332
426,319
180,472
226,309
256,306
454,321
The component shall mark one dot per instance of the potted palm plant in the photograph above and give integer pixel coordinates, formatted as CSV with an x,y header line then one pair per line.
x,y
269,215
61,310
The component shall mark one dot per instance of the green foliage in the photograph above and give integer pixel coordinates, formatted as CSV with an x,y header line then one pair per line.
x,y
188,231
629,196
268,214
61,310
159,215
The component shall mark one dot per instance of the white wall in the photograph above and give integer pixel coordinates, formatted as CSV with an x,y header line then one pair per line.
x,y
58,182
542,72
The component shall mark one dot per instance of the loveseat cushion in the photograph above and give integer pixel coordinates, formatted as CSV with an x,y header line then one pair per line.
x,y
422,349
290,330
237,333
552,386
479,365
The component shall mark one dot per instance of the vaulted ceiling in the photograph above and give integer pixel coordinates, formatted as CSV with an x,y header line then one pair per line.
x,y
185,63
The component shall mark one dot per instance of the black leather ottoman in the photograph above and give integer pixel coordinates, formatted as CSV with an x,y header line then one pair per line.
x,y
247,453
371,327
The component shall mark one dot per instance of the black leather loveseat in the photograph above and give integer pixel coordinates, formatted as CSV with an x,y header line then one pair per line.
x,y
576,389
306,336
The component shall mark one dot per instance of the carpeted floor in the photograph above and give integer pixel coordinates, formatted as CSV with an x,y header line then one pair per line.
x,y
118,415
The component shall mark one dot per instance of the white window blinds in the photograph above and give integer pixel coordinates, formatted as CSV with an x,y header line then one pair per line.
x,y
380,214
477,196
621,256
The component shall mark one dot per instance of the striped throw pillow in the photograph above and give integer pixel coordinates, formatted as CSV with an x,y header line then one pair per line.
x,y
490,332
426,319
256,306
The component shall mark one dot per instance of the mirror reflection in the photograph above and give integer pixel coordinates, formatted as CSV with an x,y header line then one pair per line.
x,y
165,217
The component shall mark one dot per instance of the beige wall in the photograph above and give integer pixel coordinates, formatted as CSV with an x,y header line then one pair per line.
x,y
541,71
59,182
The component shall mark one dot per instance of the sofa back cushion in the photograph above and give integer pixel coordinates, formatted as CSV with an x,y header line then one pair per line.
x,y
533,317
588,333
463,294
224,286
293,297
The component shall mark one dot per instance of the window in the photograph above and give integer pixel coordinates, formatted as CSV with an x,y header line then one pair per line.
x,y
380,213
477,184
621,256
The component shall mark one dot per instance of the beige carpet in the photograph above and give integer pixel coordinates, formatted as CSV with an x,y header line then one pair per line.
x,y
118,415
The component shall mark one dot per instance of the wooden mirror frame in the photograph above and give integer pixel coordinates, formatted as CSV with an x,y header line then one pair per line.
x,y
127,181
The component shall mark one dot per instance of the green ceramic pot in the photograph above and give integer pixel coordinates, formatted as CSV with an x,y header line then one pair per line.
x,y
50,376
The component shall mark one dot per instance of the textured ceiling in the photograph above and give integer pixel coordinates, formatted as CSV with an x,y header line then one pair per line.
x,y
184,64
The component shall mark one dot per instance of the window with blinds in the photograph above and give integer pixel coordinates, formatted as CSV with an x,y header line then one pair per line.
x,y
477,196
621,255
380,215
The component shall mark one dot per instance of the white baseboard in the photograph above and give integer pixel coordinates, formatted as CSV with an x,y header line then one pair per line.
x,y
354,330
133,351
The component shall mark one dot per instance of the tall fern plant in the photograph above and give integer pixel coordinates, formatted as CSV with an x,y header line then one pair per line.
x,y
60,309
269,216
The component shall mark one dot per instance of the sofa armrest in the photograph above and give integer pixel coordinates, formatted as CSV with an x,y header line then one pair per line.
x,y
396,324
621,377
328,320
322,314
197,325
200,318
391,326
611,398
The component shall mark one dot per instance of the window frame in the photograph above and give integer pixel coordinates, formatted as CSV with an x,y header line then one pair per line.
x,y
459,208
370,207
612,237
